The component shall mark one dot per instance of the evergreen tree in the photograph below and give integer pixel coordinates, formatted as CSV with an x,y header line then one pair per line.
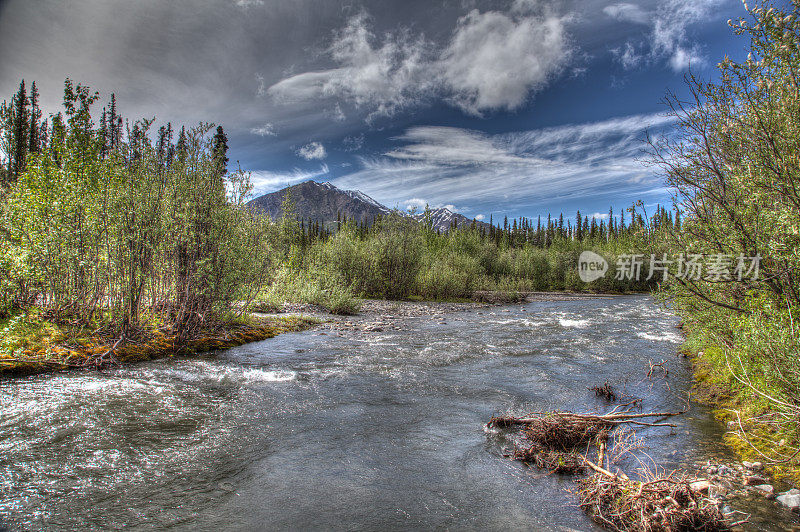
x,y
19,132
114,124
220,150
182,146
34,142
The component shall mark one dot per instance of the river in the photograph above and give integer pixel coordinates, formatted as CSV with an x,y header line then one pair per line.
x,y
314,430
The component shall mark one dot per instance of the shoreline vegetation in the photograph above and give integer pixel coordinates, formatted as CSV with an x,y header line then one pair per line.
x,y
39,346
732,167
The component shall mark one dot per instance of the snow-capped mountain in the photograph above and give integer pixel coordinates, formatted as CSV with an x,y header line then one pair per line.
x,y
326,202
443,219
322,202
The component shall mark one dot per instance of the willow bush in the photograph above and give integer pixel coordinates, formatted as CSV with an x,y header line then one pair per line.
x,y
733,166
121,234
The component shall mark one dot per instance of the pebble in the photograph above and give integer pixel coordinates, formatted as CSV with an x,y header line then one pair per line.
x,y
766,489
701,486
717,492
755,480
790,499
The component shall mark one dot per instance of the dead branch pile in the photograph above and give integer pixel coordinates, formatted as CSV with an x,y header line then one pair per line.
x,y
605,391
658,503
560,442
554,440
550,459
562,431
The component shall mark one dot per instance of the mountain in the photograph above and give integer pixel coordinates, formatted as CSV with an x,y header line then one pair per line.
x,y
321,202
325,202
442,219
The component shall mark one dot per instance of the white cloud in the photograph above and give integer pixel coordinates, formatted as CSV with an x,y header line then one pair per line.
x,y
267,130
261,90
267,181
336,113
599,215
495,61
249,3
353,142
451,146
492,61
514,170
628,56
681,58
669,38
417,204
627,12
480,217
384,77
313,150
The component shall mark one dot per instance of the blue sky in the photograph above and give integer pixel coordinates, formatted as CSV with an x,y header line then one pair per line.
x,y
517,108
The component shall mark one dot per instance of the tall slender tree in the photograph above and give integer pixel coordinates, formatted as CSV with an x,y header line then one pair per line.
x,y
34,141
19,132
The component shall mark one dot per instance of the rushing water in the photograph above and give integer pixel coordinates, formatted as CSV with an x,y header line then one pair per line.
x,y
316,431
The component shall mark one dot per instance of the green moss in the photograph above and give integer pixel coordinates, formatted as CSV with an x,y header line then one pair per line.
x,y
39,346
716,387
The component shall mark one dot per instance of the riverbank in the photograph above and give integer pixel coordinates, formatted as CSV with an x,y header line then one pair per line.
x,y
381,315
31,345
734,405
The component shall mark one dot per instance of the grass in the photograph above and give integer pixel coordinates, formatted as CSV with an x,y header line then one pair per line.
x,y
717,388
32,345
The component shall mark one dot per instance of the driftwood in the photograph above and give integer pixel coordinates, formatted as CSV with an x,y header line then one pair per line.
x,y
554,440
615,417
560,442
664,502
101,361
605,391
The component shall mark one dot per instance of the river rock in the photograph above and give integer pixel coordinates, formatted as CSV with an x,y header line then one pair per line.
x,y
701,486
755,480
790,499
767,490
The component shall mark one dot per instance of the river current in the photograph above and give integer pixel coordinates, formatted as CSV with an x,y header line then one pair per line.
x,y
312,430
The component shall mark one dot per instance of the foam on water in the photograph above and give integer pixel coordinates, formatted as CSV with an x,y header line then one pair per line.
x,y
577,324
668,336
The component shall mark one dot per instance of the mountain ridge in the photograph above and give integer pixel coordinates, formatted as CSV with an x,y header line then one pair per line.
x,y
325,202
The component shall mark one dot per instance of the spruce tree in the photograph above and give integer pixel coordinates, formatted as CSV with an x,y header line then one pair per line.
x,y
34,142
19,148
220,150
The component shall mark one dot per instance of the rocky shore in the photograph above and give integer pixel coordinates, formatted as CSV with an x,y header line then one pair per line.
x,y
378,315
730,481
